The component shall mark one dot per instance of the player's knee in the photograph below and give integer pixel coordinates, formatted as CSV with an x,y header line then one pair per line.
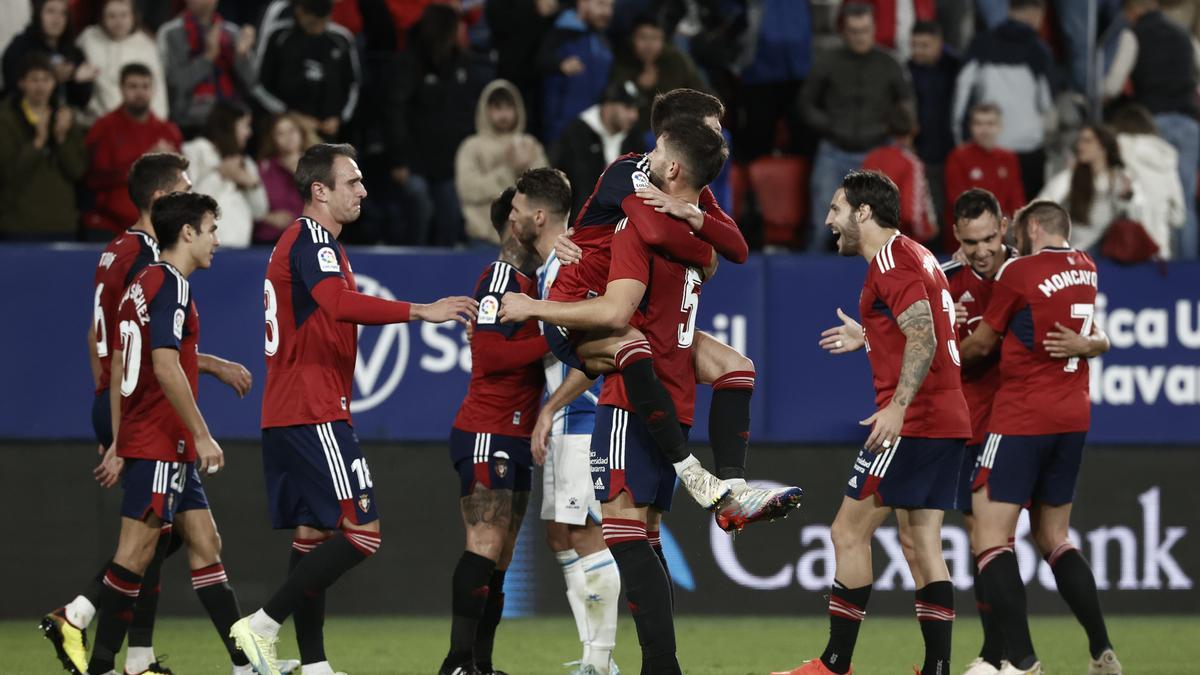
x,y
844,535
1048,540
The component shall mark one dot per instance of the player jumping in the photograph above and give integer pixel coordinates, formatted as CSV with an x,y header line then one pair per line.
x,y
911,458
318,482
1034,447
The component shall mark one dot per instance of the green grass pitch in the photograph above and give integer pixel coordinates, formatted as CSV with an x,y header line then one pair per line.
x,y
707,646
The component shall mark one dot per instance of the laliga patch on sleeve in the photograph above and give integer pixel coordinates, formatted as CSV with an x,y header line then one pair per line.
x,y
327,260
640,180
489,310
179,316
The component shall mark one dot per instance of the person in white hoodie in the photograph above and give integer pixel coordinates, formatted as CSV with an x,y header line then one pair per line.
x,y
1154,165
111,44
596,138
220,168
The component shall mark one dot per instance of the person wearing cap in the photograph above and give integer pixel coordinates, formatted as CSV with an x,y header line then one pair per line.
x,y
596,138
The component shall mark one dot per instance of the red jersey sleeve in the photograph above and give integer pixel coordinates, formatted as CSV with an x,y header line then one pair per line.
x,y
670,235
902,285
314,262
630,257
721,231
500,278
1005,301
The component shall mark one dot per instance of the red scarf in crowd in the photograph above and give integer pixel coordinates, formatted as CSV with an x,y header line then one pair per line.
x,y
220,83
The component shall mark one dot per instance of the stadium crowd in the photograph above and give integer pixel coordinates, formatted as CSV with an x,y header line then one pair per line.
x,y
448,102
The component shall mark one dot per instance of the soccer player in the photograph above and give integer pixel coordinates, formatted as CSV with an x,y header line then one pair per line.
x,y
161,436
625,191
489,442
633,480
318,481
151,176
1040,419
561,442
910,461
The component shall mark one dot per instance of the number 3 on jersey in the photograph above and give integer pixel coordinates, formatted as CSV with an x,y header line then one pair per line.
x,y
951,343
271,306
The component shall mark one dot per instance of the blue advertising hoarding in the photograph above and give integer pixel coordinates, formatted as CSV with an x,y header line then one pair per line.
x,y
411,378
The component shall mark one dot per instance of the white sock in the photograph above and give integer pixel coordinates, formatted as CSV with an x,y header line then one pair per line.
x,y
572,571
138,659
321,668
80,612
603,591
685,464
264,625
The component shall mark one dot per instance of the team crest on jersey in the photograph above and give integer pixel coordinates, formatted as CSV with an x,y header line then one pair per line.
x,y
640,180
489,310
364,502
178,328
327,259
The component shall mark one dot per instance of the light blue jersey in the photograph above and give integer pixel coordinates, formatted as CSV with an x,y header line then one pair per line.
x,y
578,416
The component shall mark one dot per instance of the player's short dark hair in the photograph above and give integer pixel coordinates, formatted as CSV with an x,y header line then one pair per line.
x,y
34,61
154,172
1051,216
927,28
134,69
700,149
321,8
1026,4
877,191
316,166
172,212
686,104
975,202
501,208
548,187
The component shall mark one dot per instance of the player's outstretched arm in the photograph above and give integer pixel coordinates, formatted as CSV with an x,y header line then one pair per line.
x,y
843,339
1064,343
454,308
228,372
708,221
350,306
610,311
666,223
920,344
572,387
978,345
178,391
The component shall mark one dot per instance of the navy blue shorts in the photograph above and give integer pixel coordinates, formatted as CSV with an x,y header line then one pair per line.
x,y
562,346
966,477
102,418
493,461
161,488
915,473
1027,469
317,476
624,458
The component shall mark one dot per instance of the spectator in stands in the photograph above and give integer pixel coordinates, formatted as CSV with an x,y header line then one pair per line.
x,y
284,139
115,142
654,65
14,18
41,157
518,28
933,68
111,45
1011,67
918,218
493,157
771,69
1154,165
207,59
1097,190
596,138
432,100
1185,13
895,21
49,32
221,169
311,68
575,60
1164,79
982,163
845,100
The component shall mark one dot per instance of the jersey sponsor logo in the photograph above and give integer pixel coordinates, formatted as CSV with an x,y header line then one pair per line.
x,y
489,310
327,259
382,354
854,481
640,180
966,297
178,325
599,484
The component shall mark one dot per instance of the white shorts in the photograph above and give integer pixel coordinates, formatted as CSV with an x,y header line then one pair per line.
x,y
567,495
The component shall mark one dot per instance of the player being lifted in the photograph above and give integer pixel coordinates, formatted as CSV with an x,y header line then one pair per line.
x,y
625,191
161,437
632,479
1036,433
910,461
318,482
489,443
151,176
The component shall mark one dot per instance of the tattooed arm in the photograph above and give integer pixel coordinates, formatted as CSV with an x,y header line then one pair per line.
x,y
920,344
